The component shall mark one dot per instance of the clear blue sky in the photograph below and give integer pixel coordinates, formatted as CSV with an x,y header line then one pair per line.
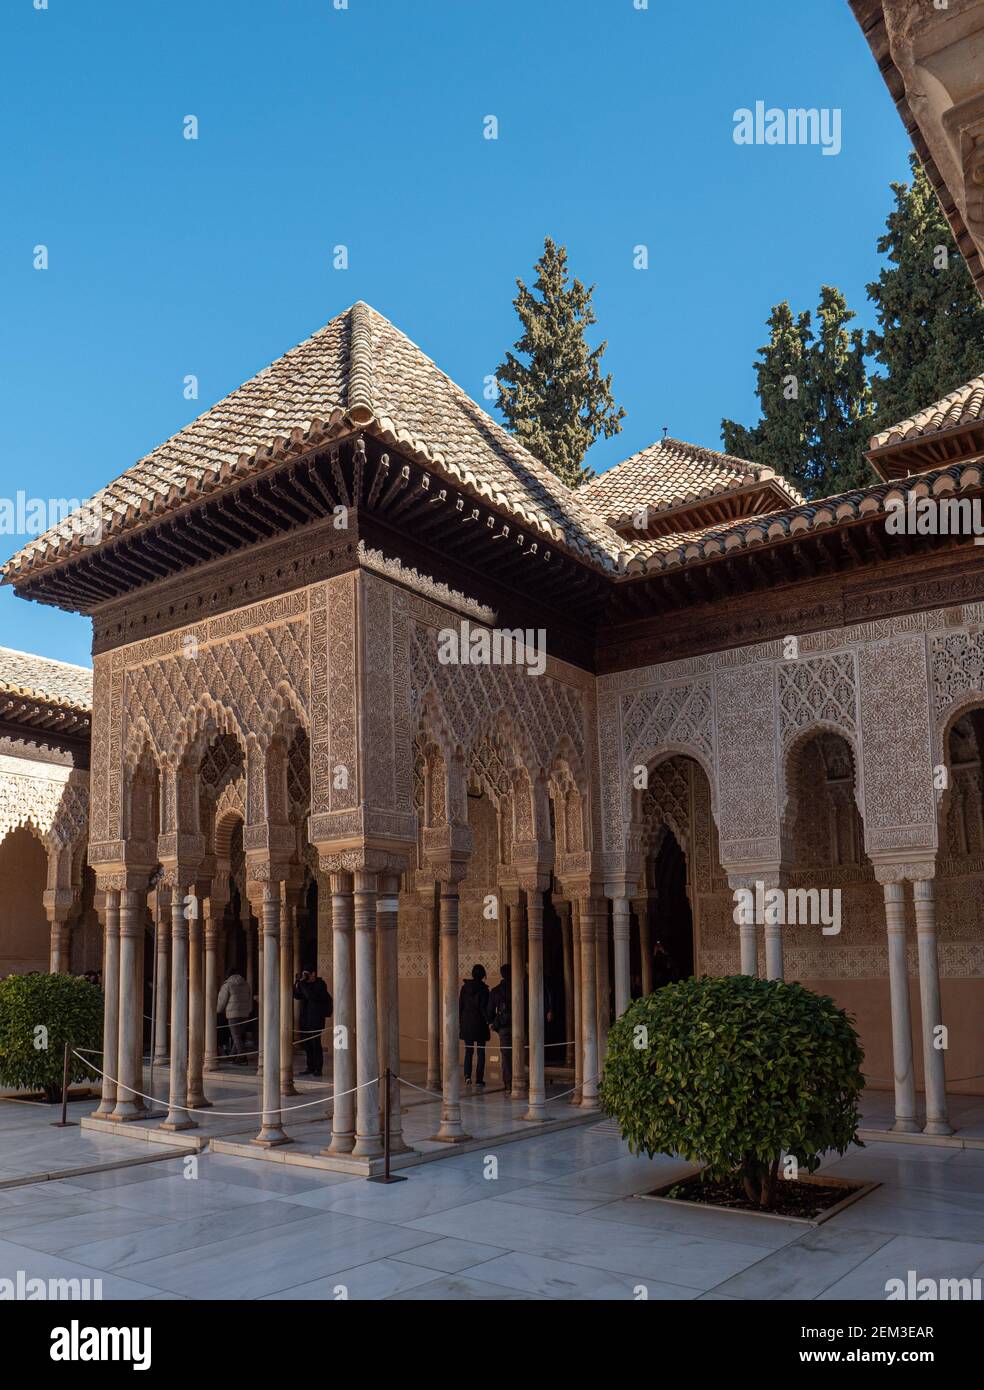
x,y
364,126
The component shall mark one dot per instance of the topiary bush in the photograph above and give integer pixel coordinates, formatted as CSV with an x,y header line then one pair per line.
x,y
733,1072
38,1014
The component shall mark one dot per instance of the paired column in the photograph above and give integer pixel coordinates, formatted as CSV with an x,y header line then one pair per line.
x,y
898,983
567,946
343,1059
537,1095
577,1011
177,1112
129,1103
773,951
603,998
110,915
272,1130
622,926
451,1129
934,1069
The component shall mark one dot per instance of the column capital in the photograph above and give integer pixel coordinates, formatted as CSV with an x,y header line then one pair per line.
x,y
913,868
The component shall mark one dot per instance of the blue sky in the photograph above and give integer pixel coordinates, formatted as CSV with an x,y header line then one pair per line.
x,y
364,127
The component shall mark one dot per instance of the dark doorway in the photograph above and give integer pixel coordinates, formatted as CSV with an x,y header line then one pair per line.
x,y
554,1034
672,920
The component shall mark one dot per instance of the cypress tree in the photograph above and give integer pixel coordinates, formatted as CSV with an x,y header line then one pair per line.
x,y
557,402
780,437
930,338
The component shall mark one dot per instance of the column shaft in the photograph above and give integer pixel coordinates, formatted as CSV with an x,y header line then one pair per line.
x,y
272,1129
433,996
537,1096
343,1056
111,1007
578,1009
163,994
129,1105
589,1006
517,977
388,996
934,1065
213,954
451,1128
177,1112
287,917
196,1009
368,1143
622,925
898,982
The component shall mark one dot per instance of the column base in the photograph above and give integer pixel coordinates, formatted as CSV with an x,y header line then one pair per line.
x,y
126,1115
536,1114
368,1146
340,1144
440,1138
905,1127
937,1127
199,1102
173,1126
103,1112
271,1137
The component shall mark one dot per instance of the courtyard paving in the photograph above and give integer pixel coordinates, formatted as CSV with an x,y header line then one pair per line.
x,y
553,1217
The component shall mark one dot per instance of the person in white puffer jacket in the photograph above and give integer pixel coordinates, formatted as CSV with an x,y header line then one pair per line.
x,y
235,1001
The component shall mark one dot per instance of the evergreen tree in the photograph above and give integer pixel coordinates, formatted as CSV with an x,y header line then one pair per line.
x,y
557,403
931,320
815,401
840,401
780,437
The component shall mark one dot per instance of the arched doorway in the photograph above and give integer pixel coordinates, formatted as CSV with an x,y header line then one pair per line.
x,y
24,931
671,921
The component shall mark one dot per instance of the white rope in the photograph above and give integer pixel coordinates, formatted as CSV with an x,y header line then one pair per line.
x,y
233,1114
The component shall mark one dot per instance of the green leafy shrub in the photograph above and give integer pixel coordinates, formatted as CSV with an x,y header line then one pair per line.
x,y
38,1015
734,1072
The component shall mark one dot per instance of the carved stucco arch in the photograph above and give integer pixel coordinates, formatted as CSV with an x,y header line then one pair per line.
x,y
651,758
965,703
207,719
790,766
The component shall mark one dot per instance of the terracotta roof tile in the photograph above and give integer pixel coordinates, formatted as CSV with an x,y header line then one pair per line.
x,y
40,678
963,406
358,371
672,473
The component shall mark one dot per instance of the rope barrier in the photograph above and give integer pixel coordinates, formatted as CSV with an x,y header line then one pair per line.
x,y
232,1114
503,1047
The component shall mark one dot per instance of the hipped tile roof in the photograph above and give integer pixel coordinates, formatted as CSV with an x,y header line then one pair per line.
x,y
672,473
359,371
964,406
40,678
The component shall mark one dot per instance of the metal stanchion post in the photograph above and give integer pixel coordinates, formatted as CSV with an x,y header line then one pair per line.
x,y
386,1175
64,1122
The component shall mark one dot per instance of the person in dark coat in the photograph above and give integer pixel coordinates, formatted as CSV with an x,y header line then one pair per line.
x,y
499,1014
473,1024
316,1008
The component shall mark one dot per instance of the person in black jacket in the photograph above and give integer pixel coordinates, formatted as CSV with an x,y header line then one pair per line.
x,y
473,1026
316,1009
499,1014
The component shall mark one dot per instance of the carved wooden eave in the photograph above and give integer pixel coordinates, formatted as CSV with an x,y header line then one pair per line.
x,y
757,498
930,57
903,457
48,717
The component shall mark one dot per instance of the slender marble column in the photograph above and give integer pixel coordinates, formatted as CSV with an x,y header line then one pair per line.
x,y
163,943
537,1097
272,1129
748,941
388,997
646,946
129,1105
577,1013
177,1113
773,951
287,915
433,1082
343,1057
259,998
196,1009
589,1005
517,977
934,1066
59,948
111,1007
566,941
622,926
898,981
213,954
603,999
451,1129
368,1143
249,936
